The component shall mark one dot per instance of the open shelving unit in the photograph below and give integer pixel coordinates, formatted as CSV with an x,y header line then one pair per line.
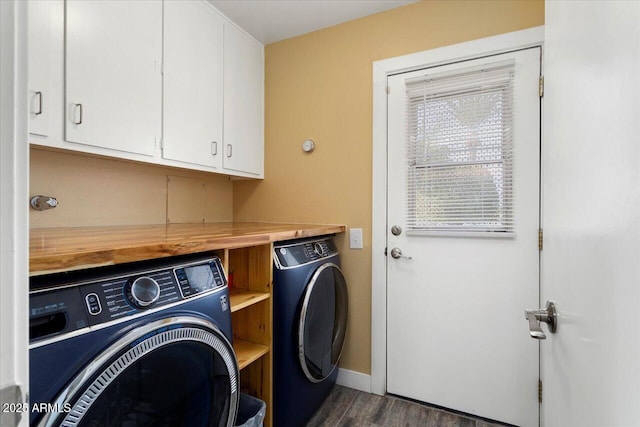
x,y
249,271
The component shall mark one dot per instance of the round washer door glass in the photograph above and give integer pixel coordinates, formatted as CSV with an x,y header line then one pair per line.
x,y
323,322
179,374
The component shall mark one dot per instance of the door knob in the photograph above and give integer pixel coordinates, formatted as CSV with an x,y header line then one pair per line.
x,y
397,253
549,315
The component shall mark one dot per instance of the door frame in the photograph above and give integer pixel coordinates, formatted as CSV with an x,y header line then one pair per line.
x,y
532,37
14,214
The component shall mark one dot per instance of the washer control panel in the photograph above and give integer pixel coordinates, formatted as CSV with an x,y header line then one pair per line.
x,y
291,255
194,279
68,306
125,296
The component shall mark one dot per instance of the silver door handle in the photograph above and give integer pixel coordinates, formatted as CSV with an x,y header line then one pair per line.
x,y
397,253
229,150
214,148
548,315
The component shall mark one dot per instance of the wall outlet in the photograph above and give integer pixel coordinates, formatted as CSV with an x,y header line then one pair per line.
x,y
355,238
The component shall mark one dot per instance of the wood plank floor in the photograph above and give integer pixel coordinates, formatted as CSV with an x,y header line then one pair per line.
x,y
348,407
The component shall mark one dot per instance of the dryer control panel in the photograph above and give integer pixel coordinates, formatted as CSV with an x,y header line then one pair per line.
x,y
92,299
296,254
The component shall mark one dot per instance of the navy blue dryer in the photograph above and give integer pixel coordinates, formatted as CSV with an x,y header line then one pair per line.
x,y
310,311
147,344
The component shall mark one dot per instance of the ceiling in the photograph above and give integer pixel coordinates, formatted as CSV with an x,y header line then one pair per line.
x,y
270,21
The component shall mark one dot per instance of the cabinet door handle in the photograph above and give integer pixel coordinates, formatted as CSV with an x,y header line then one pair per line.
x,y
214,148
78,107
229,150
39,95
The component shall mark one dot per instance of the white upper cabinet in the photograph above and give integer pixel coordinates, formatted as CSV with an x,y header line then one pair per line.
x,y
113,74
192,83
243,102
39,57
170,82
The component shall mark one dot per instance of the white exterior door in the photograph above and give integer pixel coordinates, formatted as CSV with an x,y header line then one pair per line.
x,y
591,214
456,332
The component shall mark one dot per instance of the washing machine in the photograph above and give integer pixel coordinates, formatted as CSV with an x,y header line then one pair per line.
x,y
310,312
145,344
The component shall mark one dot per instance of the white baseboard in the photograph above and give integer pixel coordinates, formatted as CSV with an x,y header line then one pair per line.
x,y
355,380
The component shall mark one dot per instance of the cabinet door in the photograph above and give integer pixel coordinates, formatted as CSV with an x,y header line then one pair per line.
x,y
39,57
243,102
113,74
192,103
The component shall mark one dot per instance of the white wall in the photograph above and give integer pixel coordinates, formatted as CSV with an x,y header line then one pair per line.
x,y
14,174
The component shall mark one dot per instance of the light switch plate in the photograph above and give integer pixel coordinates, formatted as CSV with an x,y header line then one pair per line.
x,y
355,238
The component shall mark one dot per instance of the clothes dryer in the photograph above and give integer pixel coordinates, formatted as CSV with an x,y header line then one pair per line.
x,y
141,344
310,311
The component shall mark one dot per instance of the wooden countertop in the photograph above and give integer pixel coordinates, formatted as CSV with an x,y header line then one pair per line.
x,y
64,249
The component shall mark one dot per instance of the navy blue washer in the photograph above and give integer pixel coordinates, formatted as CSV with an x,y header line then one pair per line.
x,y
109,347
310,311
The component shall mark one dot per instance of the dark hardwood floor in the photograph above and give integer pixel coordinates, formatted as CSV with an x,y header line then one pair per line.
x,y
348,407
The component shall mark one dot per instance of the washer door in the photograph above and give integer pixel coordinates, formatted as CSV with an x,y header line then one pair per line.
x,y
323,322
178,371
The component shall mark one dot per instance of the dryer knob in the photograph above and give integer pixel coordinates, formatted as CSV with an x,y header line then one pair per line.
x,y
317,248
143,292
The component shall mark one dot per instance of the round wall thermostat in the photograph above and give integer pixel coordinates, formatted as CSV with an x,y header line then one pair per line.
x,y
308,146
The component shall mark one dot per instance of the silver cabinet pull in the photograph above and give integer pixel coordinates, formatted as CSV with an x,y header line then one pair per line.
x,y
214,148
79,122
397,253
229,150
548,315
39,94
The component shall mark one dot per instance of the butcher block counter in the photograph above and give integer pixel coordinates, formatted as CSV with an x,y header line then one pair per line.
x,y
64,249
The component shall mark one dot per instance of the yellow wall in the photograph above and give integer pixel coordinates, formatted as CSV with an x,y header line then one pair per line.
x,y
100,191
319,86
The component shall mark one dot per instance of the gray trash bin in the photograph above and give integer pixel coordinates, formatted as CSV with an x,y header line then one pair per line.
x,y
251,411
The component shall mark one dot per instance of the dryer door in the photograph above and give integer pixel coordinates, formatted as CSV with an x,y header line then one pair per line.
x,y
323,322
178,371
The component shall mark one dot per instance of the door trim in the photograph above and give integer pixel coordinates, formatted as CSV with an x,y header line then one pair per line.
x,y
531,37
14,214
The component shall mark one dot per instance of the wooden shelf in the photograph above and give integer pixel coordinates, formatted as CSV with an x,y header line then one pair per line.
x,y
248,352
252,317
241,298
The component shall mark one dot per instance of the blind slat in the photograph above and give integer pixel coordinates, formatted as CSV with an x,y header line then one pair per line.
x,y
460,150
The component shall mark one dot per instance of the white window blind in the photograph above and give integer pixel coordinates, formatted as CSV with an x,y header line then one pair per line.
x,y
460,151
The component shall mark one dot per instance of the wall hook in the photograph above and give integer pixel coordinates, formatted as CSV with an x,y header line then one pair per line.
x,y
42,203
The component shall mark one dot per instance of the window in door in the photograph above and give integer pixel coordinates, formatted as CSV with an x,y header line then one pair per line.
x,y
459,148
